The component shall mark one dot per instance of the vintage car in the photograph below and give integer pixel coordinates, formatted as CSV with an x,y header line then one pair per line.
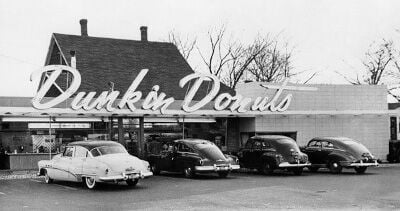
x,y
337,153
269,152
191,156
91,162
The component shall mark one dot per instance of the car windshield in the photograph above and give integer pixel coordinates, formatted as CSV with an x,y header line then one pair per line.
x,y
106,150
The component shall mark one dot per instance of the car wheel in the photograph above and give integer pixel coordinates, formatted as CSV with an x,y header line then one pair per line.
x,y
361,169
90,182
188,172
297,171
47,178
154,168
313,169
266,168
335,167
223,174
132,182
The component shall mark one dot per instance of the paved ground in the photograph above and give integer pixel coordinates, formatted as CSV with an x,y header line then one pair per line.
x,y
379,188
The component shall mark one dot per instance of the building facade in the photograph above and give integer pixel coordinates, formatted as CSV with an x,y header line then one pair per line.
x,y
141,92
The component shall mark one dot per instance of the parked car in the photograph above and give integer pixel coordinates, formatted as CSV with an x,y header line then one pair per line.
x,y
337,153
94,161
269,152
191,156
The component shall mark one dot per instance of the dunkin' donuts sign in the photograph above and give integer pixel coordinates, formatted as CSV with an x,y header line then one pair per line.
x,y
156,99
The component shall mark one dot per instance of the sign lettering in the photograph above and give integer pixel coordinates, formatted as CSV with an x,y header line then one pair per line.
x,y
156,100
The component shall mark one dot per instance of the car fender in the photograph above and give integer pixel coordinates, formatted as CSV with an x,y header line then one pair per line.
x,y
190,160
269,157
93,168
336,156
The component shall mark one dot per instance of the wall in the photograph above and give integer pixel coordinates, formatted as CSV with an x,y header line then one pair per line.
x,y
371,130
326,97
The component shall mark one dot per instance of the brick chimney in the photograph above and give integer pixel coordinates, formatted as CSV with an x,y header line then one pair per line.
x,y
143,33
83,23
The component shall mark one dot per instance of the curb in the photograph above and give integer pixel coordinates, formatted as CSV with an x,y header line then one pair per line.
x,y
31,174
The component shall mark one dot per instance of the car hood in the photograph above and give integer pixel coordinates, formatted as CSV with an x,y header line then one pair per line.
x,y
121,162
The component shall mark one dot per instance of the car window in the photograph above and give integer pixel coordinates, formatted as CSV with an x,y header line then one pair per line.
x,y
95,152
249,144
184,148
106,150
80,152
257,144
265,144
327,144
69,151
312,143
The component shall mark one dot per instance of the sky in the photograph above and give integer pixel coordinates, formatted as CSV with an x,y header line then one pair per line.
x,y
327,36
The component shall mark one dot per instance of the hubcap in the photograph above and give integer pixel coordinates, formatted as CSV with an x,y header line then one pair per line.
x,y
335,165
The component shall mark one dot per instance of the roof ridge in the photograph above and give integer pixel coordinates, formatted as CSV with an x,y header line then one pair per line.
x,y
110,38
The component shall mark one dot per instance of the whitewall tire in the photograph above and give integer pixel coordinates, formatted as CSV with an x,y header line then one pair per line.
x,y
47,178
90,182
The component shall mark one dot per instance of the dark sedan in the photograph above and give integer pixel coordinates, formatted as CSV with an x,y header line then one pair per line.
x,y
337,153
192,156
269,152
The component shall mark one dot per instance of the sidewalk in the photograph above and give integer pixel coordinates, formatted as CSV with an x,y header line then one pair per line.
x,y
21,174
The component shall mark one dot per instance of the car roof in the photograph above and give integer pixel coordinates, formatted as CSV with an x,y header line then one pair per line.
x,y
333,139
191,141
270,137
94,143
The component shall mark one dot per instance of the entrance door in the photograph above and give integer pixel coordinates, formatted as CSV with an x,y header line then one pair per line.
x,y
131,139
128,132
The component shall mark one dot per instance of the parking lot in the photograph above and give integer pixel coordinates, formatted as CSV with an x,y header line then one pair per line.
x,y
379,188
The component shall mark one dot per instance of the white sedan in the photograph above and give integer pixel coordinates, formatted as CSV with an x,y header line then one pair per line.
x,y
95,161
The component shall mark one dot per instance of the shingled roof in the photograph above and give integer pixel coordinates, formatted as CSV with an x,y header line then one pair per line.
x,y
104,60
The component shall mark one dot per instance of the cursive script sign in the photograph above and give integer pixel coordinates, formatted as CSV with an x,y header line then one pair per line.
x,y
155,99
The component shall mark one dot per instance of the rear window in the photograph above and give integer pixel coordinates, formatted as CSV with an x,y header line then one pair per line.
x,y
107,150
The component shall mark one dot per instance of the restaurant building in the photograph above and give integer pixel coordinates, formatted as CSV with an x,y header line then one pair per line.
x,y
142,92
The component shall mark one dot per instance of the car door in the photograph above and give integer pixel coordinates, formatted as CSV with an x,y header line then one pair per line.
x,y
313,150
60,168
166,159
246,153
76,163
327,148
257,150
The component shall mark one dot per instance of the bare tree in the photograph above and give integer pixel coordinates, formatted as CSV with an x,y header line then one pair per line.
x,y
219,52
377,64
229,59
272,64
185,46
240,60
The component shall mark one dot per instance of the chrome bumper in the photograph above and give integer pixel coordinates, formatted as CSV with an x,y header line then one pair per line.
x,y
126,176
364,164
217,168
293,165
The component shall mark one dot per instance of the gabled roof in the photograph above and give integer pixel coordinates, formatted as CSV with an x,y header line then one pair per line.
x,y
104,60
